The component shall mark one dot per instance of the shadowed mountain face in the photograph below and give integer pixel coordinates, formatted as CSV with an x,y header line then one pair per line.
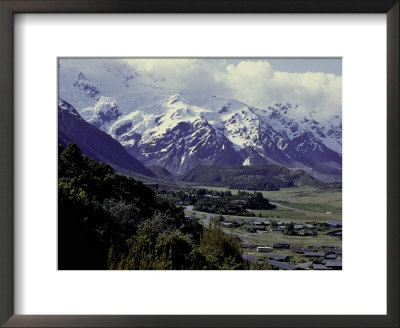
x,y
94,143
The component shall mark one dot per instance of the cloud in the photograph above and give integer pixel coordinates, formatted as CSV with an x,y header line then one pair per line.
x,y
254,82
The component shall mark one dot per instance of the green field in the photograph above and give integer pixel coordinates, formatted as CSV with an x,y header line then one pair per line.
x,y
286,214
313,201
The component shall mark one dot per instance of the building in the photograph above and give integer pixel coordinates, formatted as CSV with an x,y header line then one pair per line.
x,y
257,223
333,251
297,250
314,254
337,233
320,267
249,246
264,249
281,246
277,265
334,265
255,229
333,224
304,265
277,257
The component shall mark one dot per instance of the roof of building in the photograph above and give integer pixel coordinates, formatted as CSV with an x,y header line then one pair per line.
x,y
297,250
314,254
249,246
331,250
319,267
335,223
335,233
281,265
303,265
276,257
333,263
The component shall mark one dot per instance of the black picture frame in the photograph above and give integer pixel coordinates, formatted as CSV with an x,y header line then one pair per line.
x,y
10,7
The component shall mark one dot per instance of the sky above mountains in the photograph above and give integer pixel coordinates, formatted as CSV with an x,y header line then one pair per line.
x,y
315,85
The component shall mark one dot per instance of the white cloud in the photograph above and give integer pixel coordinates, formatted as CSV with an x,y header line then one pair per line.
x,y
251,81
256,83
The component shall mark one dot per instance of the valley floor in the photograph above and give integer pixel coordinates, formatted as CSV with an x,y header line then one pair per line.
x,y
297,205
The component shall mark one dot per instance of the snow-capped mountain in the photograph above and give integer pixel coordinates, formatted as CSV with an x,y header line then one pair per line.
x,y
184,129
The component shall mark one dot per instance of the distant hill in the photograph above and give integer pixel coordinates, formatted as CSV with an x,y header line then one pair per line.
x,y
72,128
257,177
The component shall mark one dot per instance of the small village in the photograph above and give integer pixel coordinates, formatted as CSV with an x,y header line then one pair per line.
x,y
285,255
275,243
318,257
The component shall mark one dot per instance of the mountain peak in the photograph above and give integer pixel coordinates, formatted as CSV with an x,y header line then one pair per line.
x,y
181,129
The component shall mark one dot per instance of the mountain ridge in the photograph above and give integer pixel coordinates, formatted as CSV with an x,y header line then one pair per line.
x,y
182,130
72,128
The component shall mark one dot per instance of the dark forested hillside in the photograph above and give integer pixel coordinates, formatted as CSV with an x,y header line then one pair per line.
x,y
257,177
110,221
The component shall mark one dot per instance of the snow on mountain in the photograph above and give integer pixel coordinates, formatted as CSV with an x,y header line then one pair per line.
x,y
103,112
182,129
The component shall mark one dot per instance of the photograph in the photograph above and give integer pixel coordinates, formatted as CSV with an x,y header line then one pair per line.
x,y
191,163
